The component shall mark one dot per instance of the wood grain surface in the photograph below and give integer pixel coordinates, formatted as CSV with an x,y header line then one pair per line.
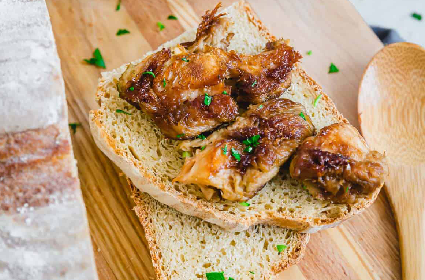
x,y
391,111
366,247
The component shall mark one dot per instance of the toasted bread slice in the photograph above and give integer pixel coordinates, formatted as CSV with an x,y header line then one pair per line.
x,y
184,247
138,147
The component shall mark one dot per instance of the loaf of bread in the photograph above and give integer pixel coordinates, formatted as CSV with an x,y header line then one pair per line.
x,y
44,232
152,161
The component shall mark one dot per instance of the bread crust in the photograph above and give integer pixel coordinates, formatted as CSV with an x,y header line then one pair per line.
x,y
146,182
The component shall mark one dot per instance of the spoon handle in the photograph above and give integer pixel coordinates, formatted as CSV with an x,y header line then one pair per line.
x,y
406,190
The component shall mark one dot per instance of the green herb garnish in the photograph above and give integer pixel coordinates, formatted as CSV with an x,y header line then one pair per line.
x,y
149,73
131,88
122,32
172,17
97,59
416,16
309,52
304,187
215,276
224,92
185,59
260,107
122,112
302,116
333,69
230,278
203,148
280,248
185,154
224,150
248,149
236,154
118,6
207,99
164,83
245,203
201,136
73,127
252,141
346,190
317,100
251,272
160,25
180,135
254,83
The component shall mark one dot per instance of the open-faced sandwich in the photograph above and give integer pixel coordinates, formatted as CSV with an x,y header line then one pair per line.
x,y
223,124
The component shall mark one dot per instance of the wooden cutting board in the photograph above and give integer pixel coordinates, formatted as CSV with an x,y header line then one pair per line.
x,y
366,247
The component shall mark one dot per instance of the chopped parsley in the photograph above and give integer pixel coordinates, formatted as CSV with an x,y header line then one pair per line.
x,y
203,148
207,99
180,135
317,100
118,6
280,248
201,136
230,278
185,59
185,154
248,149
73,127
97,59
164,83
302,116
224,150
304,187
346,190
122,32
245,203
131,88
215,275
236,154
254,83
252,141
309,52
416,16
172,17
149,73
224,92
333,69
251,272
260,107
122,112
160,25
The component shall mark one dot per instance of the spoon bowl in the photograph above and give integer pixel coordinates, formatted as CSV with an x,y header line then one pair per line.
x,y
391,110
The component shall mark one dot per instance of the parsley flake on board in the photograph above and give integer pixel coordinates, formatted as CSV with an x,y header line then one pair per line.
x,y
254,83
149,73
207,99
118,6
180,135
215,275
333,69
172,17
185,59
280,248
251,272
224,150
122,32
97,59
317,100
236,154
73,127
122,112
309,52
201,136
160,25
416,16
302,116
245,203
164,83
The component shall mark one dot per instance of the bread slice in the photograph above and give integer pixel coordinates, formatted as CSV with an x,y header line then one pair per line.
x,y
184,247
137,146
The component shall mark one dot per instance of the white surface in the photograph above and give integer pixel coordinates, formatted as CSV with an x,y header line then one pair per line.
x,y
395,14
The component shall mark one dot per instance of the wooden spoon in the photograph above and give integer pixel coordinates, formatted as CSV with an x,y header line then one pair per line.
x,y
392,119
